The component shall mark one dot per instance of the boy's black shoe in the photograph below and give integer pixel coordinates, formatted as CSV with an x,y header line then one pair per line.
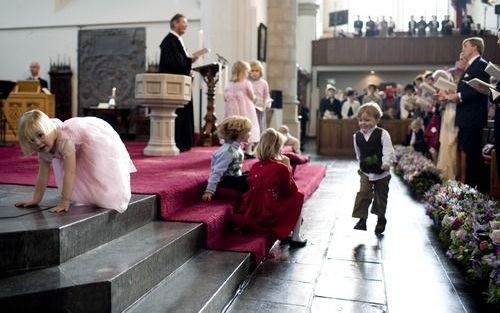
x,y
379,229
361,224
298,244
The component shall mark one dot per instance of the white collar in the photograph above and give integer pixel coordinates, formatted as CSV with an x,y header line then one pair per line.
x,y
369,131
182,42
473,59
175,34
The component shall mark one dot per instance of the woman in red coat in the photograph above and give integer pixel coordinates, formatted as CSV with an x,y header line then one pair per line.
x,y
273,204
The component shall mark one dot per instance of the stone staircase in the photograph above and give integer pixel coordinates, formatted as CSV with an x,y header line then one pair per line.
x,y
94,260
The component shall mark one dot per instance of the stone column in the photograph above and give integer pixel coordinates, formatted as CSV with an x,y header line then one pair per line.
x,y
281,57
306,32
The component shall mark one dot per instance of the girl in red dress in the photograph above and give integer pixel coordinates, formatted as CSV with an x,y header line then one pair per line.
x,y
273,204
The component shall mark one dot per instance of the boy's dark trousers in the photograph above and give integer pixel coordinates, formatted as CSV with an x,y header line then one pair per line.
x,y
378,190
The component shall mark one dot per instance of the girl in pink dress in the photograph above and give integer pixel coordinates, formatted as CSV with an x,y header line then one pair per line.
x,y
261,89
239,100
91,164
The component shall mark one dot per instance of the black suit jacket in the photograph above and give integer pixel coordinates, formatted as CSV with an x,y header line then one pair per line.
x,y
472,110
173,59
43,83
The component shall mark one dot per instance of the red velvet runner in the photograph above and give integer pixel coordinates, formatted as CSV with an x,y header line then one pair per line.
x,y
179,182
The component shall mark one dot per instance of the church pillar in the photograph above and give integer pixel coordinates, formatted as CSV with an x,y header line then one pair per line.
x,y
306,32
282,59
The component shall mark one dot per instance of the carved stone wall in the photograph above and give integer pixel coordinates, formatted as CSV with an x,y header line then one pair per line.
x,y
109,58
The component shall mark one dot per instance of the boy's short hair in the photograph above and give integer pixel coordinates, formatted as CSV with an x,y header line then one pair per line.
x,y
350,93
477,42
371,109
233,127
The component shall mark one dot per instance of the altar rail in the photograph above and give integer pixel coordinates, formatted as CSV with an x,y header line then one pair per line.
x,y
335,136
395,50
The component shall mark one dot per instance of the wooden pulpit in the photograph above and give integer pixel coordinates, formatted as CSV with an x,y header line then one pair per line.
x,y
210,73
27,95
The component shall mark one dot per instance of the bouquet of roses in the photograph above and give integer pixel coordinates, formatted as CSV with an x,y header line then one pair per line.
x,y
418,171
469,225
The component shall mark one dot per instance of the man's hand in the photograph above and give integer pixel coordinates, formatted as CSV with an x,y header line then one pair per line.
x,y
453,97
207,196
385,167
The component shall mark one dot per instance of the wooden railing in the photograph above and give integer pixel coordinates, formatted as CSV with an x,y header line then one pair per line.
x,y
395,50
335,136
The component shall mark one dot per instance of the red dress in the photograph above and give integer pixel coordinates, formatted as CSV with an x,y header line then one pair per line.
x,y
273,203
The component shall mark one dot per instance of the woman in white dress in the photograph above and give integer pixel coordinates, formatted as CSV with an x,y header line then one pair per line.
x,y
447,157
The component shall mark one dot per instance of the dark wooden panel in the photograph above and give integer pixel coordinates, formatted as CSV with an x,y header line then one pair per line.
x,y
335,136
395,50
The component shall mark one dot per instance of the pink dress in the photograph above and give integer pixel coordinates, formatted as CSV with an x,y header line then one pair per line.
x,y
103,165
238,102
262,97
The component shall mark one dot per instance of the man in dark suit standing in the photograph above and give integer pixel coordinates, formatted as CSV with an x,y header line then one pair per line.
x,y
496,102
174,59
35,70
358,26
472,111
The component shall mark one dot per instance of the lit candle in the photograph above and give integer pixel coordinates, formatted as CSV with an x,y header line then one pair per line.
x,y
113,92
200,39
201,44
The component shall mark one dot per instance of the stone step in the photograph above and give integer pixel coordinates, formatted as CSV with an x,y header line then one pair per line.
x,y
36,238
108,278
205,283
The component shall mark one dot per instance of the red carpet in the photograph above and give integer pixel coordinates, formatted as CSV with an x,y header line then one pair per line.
x,y
179,182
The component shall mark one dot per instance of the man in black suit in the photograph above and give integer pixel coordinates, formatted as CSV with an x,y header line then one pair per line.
x,y
358,26
421,26
496,102
472,111
412,26
35,70
447,26
174,59
370,28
